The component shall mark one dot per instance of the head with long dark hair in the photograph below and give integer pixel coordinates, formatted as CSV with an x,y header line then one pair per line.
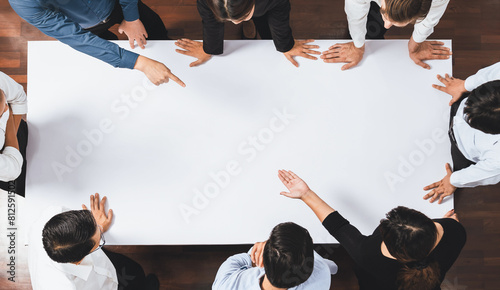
x,y
410,236
231,10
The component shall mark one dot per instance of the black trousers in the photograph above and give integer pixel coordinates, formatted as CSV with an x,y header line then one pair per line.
x,y
459,160
152,22
130,274
375,24
19,185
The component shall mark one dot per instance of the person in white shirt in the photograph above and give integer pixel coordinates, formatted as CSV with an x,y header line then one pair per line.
x,y
474,132
285,261
13,135
424,13
65,252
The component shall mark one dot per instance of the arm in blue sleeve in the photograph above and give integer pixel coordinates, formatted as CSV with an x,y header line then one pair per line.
x,y
57,25
231,266
130,10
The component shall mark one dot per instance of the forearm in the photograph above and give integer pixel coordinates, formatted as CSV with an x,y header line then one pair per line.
x,y
319,207
357,16
17,121
476,175
423,29
11,136
213,30
279,24
484,75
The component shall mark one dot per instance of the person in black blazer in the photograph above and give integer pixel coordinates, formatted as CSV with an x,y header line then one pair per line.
x,y
271,18
407,250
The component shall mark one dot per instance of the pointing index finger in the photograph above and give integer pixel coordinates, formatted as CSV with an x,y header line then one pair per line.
x,y
176,79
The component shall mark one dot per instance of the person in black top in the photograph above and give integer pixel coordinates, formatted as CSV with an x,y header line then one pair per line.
x,y
406,251
271,18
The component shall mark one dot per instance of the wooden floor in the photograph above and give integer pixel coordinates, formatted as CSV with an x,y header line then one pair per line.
x,y
474,27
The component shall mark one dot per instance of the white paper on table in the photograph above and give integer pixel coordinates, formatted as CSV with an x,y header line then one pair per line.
x,y
350,130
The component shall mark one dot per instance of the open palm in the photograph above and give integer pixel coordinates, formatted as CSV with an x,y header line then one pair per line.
x,y
297,187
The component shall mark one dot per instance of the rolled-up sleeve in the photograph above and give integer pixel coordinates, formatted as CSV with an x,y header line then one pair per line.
x,y
11,162
425,27
57,25
483,76
357,15
230,267
14,94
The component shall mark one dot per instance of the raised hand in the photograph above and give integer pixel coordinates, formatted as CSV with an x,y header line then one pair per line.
x,y
344,52
257,254
193,49
452,86
442,188
297,187
97,209
135,31
427,50
302,49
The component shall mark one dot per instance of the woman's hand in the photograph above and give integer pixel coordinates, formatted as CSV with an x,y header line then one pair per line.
x,y
301,48
193,49
297,187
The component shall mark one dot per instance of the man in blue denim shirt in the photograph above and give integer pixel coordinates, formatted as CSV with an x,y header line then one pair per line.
x,y
285,261
84,24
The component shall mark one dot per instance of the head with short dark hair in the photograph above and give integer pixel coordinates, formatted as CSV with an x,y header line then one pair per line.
x,y
404,11
410,236
288,256
67,237
231,10
482,108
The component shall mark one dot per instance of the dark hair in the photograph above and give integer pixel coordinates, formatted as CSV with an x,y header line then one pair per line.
x,y
67,237
225,10
482,108
288,256
410,236
406,10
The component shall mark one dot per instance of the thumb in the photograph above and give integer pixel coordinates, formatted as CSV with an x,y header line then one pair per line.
x,y
120,29
348,66
195,63
110,214
84,207
448,168
423,64
285,193
290,58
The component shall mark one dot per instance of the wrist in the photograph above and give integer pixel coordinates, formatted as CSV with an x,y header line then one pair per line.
x,y
140,63
307,196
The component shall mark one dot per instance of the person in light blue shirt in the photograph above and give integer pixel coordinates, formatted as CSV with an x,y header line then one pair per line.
x,y
84,24
285,261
